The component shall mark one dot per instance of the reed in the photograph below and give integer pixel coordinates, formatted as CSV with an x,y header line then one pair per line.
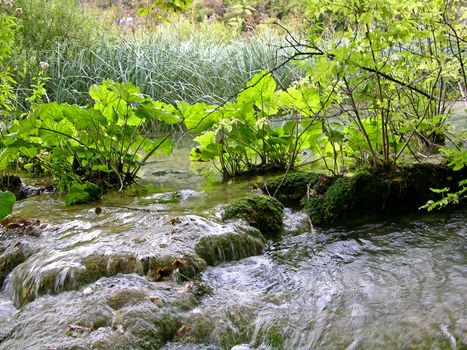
x,y
166,67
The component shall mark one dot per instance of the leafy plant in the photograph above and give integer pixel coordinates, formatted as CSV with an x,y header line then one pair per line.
x,y
7,199
7,38
44,24
389,69
245,137
104,143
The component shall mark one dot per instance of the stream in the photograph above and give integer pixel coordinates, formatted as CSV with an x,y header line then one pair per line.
x,y
399,283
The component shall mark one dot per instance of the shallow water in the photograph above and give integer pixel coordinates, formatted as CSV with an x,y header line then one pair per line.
x,y
400,284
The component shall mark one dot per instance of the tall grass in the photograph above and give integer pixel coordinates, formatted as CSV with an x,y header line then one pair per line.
x,y
168,68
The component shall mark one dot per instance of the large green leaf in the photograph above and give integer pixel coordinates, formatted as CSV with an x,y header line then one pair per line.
x,y
260,90
198,117
7,199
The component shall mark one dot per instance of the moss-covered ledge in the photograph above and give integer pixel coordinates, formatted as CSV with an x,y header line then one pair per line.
x,y
260,211
331,200
397,191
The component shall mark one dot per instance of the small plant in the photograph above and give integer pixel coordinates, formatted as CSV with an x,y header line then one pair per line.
x,y
104,143
248,136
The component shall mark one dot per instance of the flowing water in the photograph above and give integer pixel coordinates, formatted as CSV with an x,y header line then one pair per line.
x,y
398,283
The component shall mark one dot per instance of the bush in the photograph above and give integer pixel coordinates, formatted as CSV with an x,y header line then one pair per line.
x,y
103,143
46,23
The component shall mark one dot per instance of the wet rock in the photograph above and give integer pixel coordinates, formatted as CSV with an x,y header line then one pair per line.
x,y
170,248
113,313
215,249
14,184
296,222
182,346
242,347
369,192
262,212
292,188
21,227
14,250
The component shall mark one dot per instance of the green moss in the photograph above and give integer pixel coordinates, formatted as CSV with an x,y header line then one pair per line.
x,y
263,212
291,188
369,192
125,297
233,246
339,199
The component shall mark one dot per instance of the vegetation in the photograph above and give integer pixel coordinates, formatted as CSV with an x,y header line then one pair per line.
x,y
372,84
102,143
166,67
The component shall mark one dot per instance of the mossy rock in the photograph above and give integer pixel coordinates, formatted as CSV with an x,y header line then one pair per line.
x,y
375,192
12,257
262,212
290,189
83,193
217,249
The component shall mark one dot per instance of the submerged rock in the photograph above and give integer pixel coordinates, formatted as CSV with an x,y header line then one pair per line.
x,y
120,312
15,248
15,185
263,212
170,248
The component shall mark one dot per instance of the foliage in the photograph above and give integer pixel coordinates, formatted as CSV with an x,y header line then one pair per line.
x,y
82,193
245,137
200,68
7,199
458,161
44,24
102,143
291,188
389,68
161,8
7,38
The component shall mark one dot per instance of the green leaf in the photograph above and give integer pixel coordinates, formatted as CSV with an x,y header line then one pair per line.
x,y
83,193
198,117
155,110
142,11
260,91
164,145
7,200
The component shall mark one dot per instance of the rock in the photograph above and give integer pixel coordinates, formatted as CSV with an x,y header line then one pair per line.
x,y
15,248
296,223
262,212
172,248
114,313
369,192
292,188
242,347
14,184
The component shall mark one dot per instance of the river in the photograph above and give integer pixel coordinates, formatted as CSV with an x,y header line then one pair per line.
x,y
398,283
